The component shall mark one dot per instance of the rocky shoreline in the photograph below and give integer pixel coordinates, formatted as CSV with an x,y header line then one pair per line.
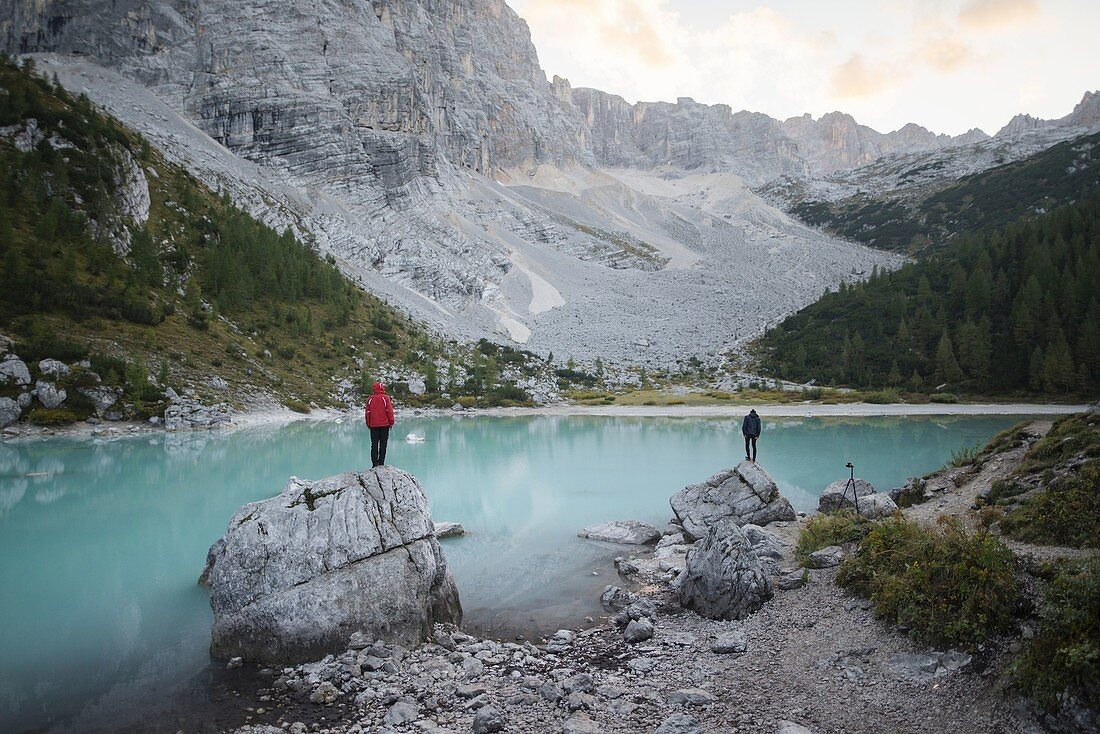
x,y
793,654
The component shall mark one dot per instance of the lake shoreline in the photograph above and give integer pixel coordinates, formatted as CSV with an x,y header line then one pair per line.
x,y
272,418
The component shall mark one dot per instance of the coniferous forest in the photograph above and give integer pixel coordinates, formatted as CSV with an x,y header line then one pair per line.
x,y
1011,311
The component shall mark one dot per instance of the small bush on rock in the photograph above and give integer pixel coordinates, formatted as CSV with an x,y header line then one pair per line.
x,y
1067,512
1064,656
949,585
54,417
838,528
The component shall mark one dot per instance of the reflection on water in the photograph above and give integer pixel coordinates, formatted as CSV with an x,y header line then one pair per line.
x,y
101,541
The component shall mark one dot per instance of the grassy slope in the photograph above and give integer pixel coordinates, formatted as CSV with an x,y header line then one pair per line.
x,y
68,291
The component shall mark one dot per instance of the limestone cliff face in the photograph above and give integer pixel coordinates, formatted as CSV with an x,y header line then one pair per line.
x,y
345,90
686,135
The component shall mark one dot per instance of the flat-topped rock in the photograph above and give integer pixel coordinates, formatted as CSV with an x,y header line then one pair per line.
x,y
296,575
743,494
627,532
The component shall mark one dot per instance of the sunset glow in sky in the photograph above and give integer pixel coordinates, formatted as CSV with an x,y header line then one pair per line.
x,y
946,64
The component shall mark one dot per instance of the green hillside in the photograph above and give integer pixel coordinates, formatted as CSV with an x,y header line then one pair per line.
x,y
196,290
983,201
1014,311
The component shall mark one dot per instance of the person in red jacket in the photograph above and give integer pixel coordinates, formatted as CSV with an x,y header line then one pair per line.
x,y
378,414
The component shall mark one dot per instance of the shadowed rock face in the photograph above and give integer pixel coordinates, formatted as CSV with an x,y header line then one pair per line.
x,y
295,575
723,578
744,494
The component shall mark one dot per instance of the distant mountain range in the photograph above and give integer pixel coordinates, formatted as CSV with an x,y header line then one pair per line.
x,y
369,126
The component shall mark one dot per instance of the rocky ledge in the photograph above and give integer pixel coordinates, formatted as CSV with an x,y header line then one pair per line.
x,y
295,575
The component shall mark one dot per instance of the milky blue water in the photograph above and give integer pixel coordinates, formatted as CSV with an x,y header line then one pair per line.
x,y
101,541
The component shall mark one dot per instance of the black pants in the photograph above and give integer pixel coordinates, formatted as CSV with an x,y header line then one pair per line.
x,y
750,441
379,437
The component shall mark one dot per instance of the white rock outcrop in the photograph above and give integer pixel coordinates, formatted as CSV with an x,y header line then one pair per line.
x,y
296,575
744,494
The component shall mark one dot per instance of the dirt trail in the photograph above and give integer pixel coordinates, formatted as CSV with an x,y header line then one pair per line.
x,y
965,486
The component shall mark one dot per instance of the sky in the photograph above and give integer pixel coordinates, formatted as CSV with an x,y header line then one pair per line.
x,y
949,65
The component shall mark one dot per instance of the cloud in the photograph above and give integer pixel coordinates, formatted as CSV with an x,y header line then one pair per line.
x,y
944,54
993,14
856,78
634,31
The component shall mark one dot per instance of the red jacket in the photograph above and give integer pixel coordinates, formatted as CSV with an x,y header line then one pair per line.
x,y
378,412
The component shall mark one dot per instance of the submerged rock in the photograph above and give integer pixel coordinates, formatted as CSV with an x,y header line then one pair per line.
x,y
723,578
627,532
744,494
449,529
295,575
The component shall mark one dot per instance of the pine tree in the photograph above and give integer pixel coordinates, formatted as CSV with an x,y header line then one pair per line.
x,y
1058,371
947,368
1035,370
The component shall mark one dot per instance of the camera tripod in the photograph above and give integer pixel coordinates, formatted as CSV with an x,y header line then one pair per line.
x,y
851,483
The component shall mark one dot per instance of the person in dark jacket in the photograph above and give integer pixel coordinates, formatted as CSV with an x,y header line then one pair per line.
x,y
750,428
378,414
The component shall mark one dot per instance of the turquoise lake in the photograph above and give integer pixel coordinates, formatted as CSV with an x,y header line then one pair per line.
x,y
101,541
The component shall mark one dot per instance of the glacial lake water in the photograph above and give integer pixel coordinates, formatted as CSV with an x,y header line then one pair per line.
x,y
101,541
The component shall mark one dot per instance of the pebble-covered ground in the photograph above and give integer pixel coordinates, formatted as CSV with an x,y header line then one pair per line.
x,y
813,657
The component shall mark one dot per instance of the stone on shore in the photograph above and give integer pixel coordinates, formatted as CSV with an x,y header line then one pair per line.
x,y
626,532
744,494
827,557
679,724
449,529
295,575
639,630
49,394
872,505
9,412
723,578
729,642
487,719
14,370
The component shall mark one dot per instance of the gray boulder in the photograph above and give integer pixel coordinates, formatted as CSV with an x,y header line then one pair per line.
x,y
14,371
729,642
872,504
101,396
25,399
789,727
639,630
627,532
49,394
487,719
833,498
613,598
723,578
827,557
295,575
679,724
449,529
744,494
53,368
9,412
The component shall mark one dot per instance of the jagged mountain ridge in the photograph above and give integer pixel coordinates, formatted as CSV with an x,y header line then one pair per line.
x,y
370,125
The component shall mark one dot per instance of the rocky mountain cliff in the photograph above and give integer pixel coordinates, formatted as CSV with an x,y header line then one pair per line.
x,y
420,144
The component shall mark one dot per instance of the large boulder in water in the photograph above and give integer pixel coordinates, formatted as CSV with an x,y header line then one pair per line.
x,y
295,575
722,577
744,494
